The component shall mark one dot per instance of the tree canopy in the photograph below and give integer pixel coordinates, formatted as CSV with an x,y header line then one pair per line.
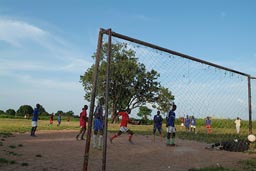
x,y
24,109
131,85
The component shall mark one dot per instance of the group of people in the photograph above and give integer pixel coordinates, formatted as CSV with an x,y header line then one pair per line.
x,y
98,124
58,119
190,123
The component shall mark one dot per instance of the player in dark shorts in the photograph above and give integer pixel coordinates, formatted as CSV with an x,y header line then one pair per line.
x,y
157,124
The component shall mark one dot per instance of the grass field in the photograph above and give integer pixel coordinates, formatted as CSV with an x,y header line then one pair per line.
x,y
221,133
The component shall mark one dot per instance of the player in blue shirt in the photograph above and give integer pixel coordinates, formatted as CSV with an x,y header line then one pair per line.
x,y
98,124
193,124
34,120
187,123
157,124
170,124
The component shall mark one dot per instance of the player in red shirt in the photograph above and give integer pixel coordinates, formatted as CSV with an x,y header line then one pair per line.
x,y
123,125
83,119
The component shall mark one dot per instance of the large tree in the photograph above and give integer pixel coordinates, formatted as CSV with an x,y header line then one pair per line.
x,y
10,112
131,85
144,112
24,110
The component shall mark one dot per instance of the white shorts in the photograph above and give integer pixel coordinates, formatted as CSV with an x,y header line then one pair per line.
x,y
170,129
123,129
192,126
34,123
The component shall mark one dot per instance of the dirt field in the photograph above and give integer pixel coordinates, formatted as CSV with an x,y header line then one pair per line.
x,y
59,151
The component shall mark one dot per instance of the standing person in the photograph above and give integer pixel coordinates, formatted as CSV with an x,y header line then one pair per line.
x,y
51,119
68,119
157,124
170,124
59,119
34,120
208,123
193,124
187,123
83,119
123,125
238,124
98,125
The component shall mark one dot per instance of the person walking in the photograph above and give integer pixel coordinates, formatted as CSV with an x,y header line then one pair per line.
x,y
59,119
83,120
208,123
51,119
238,125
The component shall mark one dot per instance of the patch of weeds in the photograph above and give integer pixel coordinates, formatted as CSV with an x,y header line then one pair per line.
x,y
24,164
1,143
12,146
2,139
6,134
38,155
12,153
12,162
212,169
20,145
248,164
3,161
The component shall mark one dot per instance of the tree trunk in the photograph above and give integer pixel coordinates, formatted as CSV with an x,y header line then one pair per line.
x,y
114,113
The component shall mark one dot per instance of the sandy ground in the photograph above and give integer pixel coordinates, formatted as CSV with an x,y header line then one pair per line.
x,y
59,151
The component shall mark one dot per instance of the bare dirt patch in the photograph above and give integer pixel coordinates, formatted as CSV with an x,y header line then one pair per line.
x,y
59,151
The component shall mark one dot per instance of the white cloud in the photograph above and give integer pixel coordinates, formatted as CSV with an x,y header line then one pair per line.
x,y
36,49
13,32
40,65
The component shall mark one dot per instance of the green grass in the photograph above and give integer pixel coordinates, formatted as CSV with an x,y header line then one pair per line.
x,y
9,126
222,129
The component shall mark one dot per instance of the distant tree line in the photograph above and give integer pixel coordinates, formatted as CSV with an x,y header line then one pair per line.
x,y
28,111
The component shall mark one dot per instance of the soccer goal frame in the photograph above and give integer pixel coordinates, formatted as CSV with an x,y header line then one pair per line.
x,y
111,34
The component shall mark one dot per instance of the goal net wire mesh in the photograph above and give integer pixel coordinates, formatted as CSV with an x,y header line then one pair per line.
x,y
200,90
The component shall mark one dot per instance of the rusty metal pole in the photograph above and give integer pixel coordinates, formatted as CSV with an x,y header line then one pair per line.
x,y
105,136
93,95
250,104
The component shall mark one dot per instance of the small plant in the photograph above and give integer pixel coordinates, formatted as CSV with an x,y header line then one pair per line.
x,y
38,155
212,169
3,161
20,145
12,162
24,164
12,146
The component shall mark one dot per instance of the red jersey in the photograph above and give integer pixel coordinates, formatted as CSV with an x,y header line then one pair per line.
x,y
83,116
125,118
